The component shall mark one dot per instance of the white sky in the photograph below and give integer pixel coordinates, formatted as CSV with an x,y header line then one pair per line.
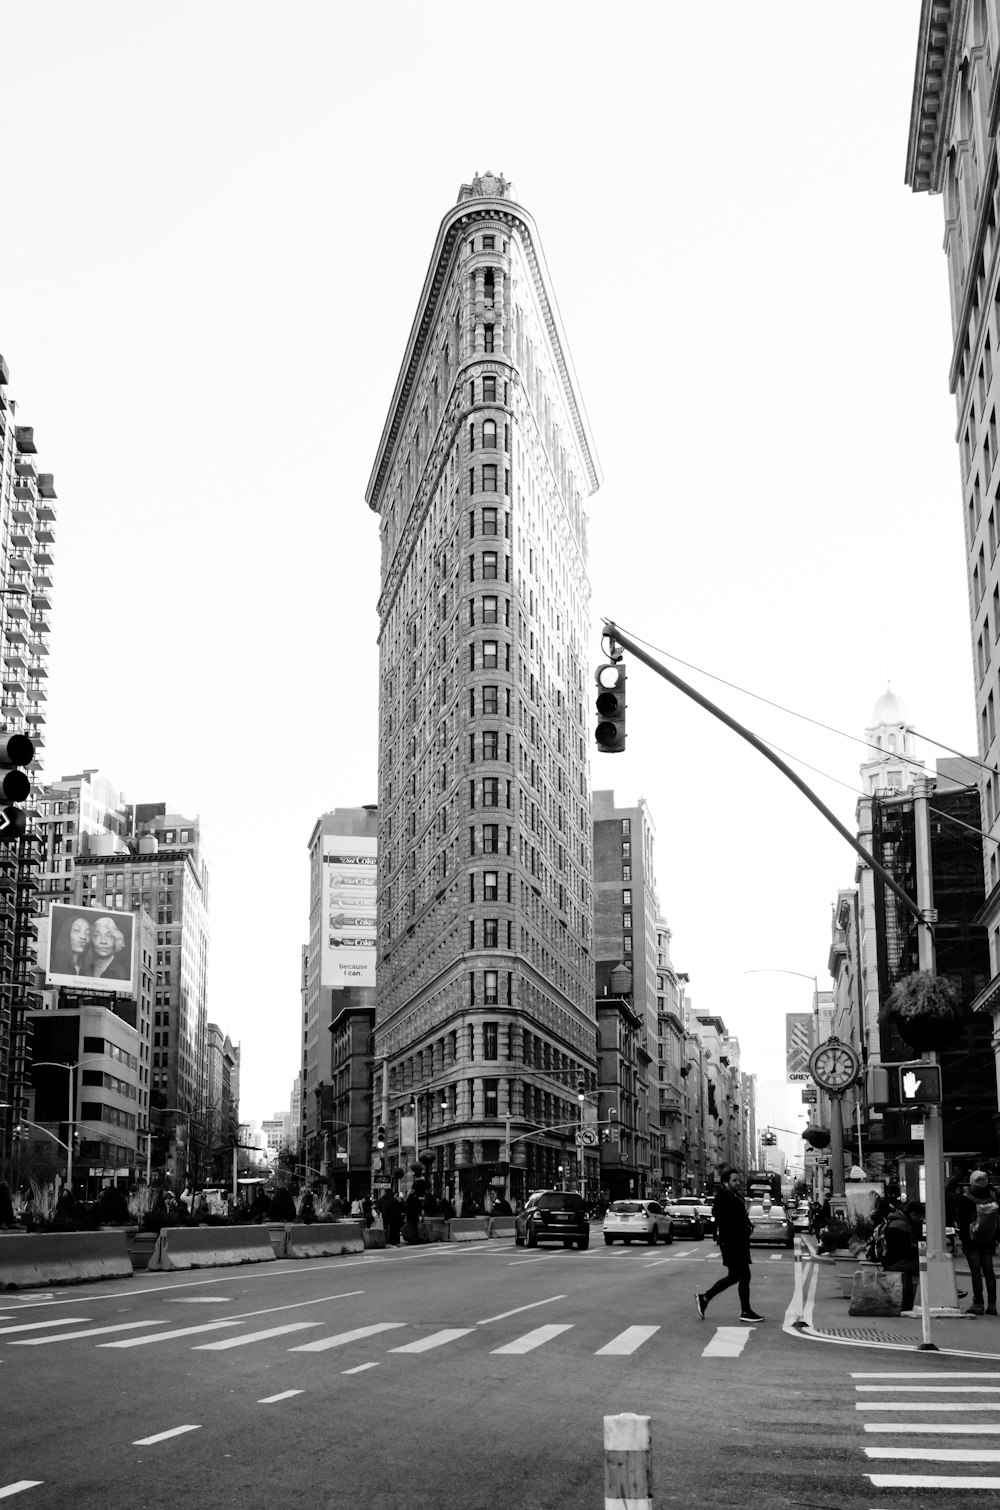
x,y
219,218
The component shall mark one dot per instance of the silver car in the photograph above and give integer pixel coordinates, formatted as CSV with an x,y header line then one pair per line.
x,y
770,1225
646,1221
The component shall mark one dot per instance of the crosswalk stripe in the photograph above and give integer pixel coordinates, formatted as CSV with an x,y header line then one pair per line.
x,y
323,1343
185,1331
19,1487
728,1342
534,1339
938,1454
626,1342
932,1389
436,1339
922,1374
935,1429
928,1481
274,1331
924,1405
92,1331
36,1326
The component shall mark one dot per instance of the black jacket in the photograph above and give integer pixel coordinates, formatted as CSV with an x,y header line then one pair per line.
x,y
732,1226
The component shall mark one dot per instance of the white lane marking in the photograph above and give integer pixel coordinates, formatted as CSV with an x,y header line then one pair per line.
x,y
728,1342
930,1389
161,1436
201,1300
928,1481
939,1429
360,1368
244,1341
91,1331
534,1339
296,1305
19,1487
924,1405
35,1326
286,1394
626,1342
925,1374
436,1339
185,1331
517,1309
277,1270
938,1454
362,1331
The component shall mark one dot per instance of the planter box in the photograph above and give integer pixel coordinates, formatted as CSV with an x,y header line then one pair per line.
x,y
140,1246
846,1266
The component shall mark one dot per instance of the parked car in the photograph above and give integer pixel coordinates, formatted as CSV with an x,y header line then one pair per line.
x,y
685,1217
646,1221
553,1216
770,1225
801,1218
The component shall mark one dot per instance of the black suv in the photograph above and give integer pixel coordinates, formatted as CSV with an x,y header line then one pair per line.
x,y
553,1216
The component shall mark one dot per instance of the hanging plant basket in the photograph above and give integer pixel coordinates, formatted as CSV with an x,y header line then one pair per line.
x,y
817,1137
925,1010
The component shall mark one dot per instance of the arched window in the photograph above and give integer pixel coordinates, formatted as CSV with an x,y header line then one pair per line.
x,y
488,286
489,434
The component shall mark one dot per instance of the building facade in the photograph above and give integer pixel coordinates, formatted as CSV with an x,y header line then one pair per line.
x,y
952,151
339,977
671,1014
485,1011
27,540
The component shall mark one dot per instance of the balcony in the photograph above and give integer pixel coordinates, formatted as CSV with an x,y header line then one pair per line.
x,y
13,657
24,492
25,467
24,439
14,634
43,532
42,579
36,693
41,601
37,668
46,488
43,556
11,682
22,533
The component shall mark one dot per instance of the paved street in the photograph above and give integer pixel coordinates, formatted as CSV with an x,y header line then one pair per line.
x,y
464,1376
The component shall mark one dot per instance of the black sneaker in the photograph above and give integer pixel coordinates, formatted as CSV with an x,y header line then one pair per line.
x,y
702,1305
751,1316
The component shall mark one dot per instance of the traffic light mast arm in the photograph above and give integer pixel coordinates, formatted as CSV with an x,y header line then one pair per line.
x,y
758,744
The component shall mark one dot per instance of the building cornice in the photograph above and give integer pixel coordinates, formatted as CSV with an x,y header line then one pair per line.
x,y
449,238
942,28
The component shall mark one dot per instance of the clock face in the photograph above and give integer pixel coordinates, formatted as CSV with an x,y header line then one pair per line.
x,y
834,1066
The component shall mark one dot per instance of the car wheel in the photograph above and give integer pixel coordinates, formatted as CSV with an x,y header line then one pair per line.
x,y
627,1241
698,1236
583,1243
651,1239
518,1240
530,1237
670,1235
567,1242
608,1241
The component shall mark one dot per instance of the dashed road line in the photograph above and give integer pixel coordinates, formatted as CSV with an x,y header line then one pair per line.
x,y
8,1489
162,1436
286,1394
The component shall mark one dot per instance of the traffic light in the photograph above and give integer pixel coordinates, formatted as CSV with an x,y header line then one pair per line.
x,y
610,731
16,750
581,1089
380,1137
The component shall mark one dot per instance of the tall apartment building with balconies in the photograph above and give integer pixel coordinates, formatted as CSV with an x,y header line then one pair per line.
x,y
485,1010
27,519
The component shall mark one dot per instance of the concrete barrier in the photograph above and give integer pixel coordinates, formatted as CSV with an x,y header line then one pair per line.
x,y
468,1229
502,1226
30,1260
277,1232
323,1239
210,1247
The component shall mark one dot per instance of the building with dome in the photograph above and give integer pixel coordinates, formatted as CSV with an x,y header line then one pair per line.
x,y
891,765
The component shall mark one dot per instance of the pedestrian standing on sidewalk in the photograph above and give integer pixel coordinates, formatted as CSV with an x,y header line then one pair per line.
x,y
732,1233
976,1218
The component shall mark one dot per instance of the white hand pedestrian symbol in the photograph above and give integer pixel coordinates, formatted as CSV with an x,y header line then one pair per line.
x,y
910,1085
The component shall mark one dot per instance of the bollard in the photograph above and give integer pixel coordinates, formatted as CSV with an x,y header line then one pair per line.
x,y
927,1346
799,1299
628,1463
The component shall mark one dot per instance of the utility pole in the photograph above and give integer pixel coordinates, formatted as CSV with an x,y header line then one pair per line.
x,y
941,1287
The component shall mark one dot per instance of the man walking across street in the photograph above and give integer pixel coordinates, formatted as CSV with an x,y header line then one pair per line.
x,y
732,1233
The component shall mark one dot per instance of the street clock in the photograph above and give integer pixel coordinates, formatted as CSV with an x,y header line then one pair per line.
x,y
834,1066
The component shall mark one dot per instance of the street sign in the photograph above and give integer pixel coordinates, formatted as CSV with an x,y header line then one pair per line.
x,y
809,1096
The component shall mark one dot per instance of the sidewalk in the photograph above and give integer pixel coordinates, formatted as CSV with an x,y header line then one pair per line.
x,y
818,1313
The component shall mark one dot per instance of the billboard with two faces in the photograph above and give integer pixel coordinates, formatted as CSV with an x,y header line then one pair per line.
x,y
91,950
